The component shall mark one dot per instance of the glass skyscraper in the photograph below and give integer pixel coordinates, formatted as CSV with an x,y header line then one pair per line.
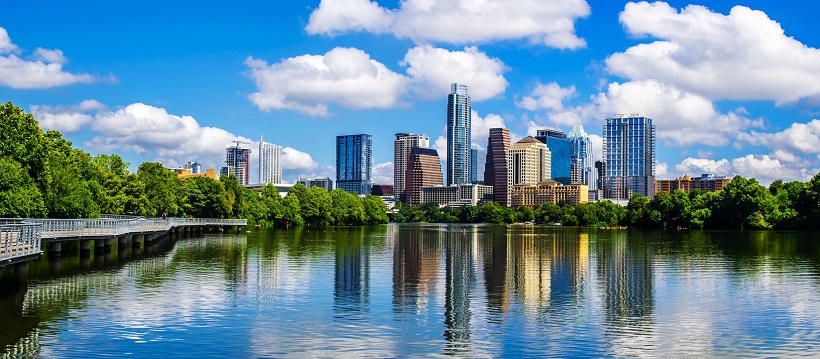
x,y
237,161
583,159
354,162
561,149
629,155
458,135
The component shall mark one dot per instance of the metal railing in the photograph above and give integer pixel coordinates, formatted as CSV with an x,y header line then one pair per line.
x,y
19,240
114,226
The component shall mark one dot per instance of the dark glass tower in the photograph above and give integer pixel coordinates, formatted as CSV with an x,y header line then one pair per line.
x,y
629,155
458,135
354,163
561,148
495,169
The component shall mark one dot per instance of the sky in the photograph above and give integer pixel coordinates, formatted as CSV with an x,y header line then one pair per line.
x,y
732,87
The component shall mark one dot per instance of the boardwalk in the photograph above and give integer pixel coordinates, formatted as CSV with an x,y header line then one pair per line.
x,y
20,239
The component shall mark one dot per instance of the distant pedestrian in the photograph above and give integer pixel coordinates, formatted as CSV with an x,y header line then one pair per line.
x,y
163,216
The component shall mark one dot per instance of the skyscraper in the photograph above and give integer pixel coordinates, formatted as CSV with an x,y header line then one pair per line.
x,y
237,161
629,155
354,162
561,150
529,162
583,163
458,135
474,165
423,169
495,169
270,162
401,151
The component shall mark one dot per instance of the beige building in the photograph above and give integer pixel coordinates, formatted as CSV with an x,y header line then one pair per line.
x,y
423,169
401,155
548,191
528,162
706,182
457,195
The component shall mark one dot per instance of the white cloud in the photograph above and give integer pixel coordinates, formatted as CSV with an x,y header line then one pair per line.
x,y
546,97
383,173
44,71
433,70
661,169
550,23
597,146
308,83
764,168
744,55
480,128
801,138
293,159
66,119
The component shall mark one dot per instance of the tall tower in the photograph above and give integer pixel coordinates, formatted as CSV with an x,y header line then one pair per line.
x,y
458,135
423,170
495,169
583,163
561,149
529,162
629,156
401,152
354,162
237,161
270,162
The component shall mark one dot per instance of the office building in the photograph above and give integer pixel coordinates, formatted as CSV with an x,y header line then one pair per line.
x,y
629,153
467,194
458,135
325,182
561,154
423,169
495,168
706,182
354,163
270,162
401,151
474,165
194,167
548,191
383,190
237,163
529,162
582,160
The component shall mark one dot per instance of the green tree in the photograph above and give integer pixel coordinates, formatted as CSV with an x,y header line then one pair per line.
x,y
375,210
22,140
19,195
744,204
808,204
206,197
162,189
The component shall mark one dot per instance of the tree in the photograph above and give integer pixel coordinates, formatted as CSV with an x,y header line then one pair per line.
x,y
22,140
638,211
162,188
745,204
19,195
206,197
808,204
375,210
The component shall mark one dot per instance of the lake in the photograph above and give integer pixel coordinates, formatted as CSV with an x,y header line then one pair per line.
x,y
425,290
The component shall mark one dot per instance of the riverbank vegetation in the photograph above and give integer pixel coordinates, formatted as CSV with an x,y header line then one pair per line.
x,y
43,175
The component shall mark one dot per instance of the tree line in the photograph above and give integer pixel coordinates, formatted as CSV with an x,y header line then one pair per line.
x,y
741,204
43,176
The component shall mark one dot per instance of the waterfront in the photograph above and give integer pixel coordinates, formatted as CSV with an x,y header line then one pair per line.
x,y
426,290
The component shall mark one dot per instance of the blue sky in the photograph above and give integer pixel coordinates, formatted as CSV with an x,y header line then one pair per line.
x,y
733,88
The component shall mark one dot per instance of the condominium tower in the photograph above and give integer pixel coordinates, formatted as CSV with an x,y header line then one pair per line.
x,y
561,151
629,155
237,163
401,152
458,135
495,168
270,162
423,170
582,170
354,162
529,162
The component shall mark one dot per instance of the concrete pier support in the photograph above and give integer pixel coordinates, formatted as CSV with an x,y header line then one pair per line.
x,y
122,241
85,246
21,270
55,249
136,240
99,245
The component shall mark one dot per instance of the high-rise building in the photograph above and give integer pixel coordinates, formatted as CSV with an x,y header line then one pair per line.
x,y
325,182
194,167
458,135
423,169
270,162
629,153
237,161
561,150
529,162
401,151
474,165
354,163
600,172
495,169
581,170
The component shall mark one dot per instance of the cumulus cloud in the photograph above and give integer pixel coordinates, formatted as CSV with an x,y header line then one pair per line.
x,y
433,70
44,70
348,77
546,97
66,119
307,83
764,168
550,23
480,128
744,55
383,173
803,138
293,159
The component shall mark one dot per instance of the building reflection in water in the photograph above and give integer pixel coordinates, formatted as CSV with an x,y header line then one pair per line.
x,y
493,252
416,263
459,282
352,276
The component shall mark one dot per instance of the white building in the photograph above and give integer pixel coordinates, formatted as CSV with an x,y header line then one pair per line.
x,y
270,162
467,194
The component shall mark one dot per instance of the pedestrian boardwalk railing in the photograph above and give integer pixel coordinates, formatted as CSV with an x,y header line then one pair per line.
x,y
20,238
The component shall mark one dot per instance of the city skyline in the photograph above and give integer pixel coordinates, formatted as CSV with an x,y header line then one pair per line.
x,y
732,88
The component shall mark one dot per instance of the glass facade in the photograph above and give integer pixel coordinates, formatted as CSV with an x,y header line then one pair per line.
x,y
458,135
583,165
629,153
354,163
561,149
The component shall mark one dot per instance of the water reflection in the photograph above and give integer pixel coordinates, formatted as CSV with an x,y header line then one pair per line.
x,y
426,290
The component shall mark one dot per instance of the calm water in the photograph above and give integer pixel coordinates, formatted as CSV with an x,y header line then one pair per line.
x,y
426,290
